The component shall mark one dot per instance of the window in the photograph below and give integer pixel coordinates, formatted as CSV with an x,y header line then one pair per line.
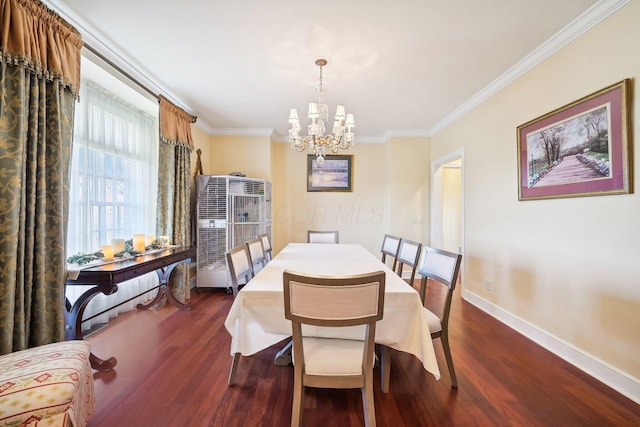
x,y
114,167
114,181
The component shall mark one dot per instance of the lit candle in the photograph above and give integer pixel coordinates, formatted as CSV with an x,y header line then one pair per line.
x,y
118,245
138,243
107,251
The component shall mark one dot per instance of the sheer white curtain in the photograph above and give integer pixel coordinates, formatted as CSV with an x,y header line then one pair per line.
x,y
113,191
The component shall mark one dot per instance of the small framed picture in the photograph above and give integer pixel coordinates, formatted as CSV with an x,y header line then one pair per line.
x,y
334,174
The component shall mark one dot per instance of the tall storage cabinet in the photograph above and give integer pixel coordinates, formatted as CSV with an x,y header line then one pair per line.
x,y
230,211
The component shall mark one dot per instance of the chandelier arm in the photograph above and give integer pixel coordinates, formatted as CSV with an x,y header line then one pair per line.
x,y
316,141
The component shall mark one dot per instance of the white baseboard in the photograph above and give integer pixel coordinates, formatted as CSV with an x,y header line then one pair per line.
x,y
620,381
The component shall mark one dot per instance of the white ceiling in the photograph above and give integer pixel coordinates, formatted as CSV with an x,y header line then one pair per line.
x,y
403,67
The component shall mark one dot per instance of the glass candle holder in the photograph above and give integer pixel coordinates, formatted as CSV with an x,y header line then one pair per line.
x,y
139,243
118,245
107,252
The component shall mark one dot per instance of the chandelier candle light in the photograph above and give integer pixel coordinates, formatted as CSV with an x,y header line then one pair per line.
x,y
316,141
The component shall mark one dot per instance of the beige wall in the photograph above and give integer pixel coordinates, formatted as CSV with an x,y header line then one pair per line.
x,y
201,141
408,188
390,188
568,267
451,208
250,155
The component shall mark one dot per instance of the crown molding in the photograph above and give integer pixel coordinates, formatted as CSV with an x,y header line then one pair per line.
x,y
101,44
204,126
358,140
407,133
591,17
242,131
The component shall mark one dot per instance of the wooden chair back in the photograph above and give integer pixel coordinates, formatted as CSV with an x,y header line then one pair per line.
x,y
266,245
326,362
390,247
239,266
440,267
256,254
315,236
409,255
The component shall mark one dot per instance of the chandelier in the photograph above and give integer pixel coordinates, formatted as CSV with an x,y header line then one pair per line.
x,y
317,142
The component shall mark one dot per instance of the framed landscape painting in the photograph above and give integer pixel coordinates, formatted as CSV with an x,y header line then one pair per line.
x,y
334,174
581,149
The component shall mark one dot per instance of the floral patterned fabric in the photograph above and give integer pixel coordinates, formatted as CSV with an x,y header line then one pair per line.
x,y
48,385
35,148
39,75
174,185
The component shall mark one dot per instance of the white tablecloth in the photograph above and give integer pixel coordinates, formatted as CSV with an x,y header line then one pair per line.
x,y
256,320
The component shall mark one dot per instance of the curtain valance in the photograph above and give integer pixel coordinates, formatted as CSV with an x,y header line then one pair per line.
x,y
175,124
37,38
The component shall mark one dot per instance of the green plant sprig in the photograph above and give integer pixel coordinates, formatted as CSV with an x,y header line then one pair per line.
x,y
82,259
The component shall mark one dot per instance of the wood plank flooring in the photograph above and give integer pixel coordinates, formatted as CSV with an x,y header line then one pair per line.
x,y
173,366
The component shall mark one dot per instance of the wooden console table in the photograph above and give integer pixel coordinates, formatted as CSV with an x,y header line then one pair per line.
x,y
105,279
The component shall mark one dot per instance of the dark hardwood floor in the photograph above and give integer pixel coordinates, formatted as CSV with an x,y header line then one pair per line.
x,y
173,366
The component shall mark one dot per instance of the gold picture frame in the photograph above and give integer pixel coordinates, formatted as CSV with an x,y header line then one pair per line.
x,y
581,149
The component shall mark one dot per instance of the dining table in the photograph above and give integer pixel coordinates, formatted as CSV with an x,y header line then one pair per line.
x,y
256,319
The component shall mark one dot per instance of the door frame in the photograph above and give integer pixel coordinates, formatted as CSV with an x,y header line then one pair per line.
x,y
437,197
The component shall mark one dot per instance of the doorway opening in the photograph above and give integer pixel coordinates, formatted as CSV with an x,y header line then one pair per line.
x,y
447,203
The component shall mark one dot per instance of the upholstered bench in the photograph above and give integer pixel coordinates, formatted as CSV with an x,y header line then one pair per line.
x,y
49,385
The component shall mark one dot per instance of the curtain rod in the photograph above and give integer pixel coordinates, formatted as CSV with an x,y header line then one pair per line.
x,y
121,71
134,80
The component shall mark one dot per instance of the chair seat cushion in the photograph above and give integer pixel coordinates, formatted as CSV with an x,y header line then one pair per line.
x,y
434,321
328,356
53,382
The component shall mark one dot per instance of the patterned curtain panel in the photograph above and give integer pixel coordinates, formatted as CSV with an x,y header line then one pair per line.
x,y
39,77
174,185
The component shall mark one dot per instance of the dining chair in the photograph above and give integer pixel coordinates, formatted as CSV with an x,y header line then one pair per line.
x,y
256,254
408,254
441,267
241,271
314,236
390,246
266,245
330,362
240,267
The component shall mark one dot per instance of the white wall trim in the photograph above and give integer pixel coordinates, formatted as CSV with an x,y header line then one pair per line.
x,y
358,140
620,381
105,47
591,17
458,154
406,133
242,131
